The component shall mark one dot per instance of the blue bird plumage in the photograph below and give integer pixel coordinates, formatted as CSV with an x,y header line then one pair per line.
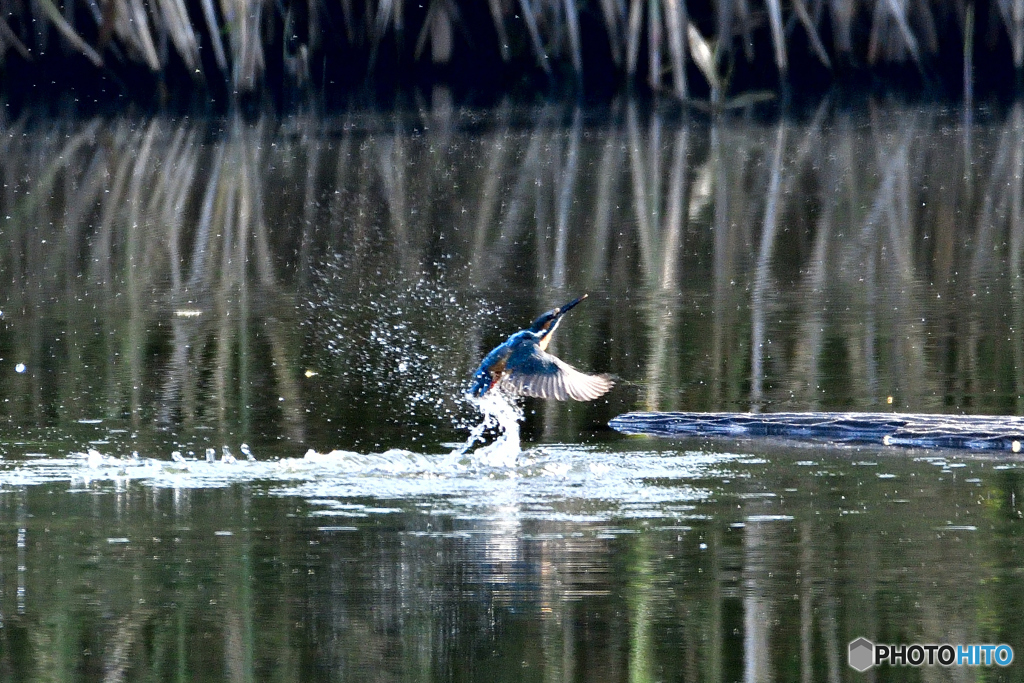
x,y
521,365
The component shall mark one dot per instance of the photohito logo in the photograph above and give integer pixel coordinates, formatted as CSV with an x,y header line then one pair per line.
x,y
864,654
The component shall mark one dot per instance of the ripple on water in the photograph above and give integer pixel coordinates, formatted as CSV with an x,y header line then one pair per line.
x,y
553,482
479,479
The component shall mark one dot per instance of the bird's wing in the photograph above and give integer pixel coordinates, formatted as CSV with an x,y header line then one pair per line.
x,y
539,374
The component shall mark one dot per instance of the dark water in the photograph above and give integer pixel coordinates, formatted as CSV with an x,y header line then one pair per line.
x,y
232,356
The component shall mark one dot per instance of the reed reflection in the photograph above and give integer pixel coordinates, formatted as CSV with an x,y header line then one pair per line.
x,y
140,281
787,563
193,274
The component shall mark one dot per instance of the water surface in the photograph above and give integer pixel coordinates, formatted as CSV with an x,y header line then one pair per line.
x,y
233,355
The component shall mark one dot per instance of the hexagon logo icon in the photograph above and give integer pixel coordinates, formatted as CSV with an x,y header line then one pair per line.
x,y
862,654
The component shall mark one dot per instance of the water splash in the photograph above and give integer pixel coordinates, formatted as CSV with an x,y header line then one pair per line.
x,y
501,412
551,482
397,344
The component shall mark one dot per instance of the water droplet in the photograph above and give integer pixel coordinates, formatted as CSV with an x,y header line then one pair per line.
x,y
95,458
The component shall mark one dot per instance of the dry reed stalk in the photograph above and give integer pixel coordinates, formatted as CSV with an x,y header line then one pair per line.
x,y
1013,17
214,33
244,17
812,32
123,24
574,36
438,26
139,19
842,21
531,25
747,25
925,21
969,59
704,58
179,25
8,36
610,15
497,16
654,22
349,20
778,39
676,20
69,33
633,37
725,16
899,12
383,16
883,43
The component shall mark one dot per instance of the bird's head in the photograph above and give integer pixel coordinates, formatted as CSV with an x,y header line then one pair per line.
x,y
545,325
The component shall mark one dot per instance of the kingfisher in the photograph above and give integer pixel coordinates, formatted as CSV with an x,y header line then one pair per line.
x,y
521,365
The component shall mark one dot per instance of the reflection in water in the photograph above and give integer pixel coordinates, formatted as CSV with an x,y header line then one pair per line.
x,y
335,279
331,283
624,566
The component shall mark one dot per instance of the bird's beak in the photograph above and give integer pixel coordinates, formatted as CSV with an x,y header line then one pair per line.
x,y
565,309
559,312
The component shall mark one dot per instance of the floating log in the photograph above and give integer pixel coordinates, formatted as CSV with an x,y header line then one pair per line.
x,y
971,432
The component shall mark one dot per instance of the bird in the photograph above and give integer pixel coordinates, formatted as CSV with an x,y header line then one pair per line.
x,y
522,366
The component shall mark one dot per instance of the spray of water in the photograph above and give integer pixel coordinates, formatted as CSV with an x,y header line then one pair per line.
x,y
499,412
396,347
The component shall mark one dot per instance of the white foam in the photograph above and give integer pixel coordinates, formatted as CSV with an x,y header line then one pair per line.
x,y
498,412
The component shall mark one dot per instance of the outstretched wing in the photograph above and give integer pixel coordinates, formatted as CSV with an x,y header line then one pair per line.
x,y
532,372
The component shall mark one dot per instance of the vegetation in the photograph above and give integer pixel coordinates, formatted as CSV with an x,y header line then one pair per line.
x,y
696,49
